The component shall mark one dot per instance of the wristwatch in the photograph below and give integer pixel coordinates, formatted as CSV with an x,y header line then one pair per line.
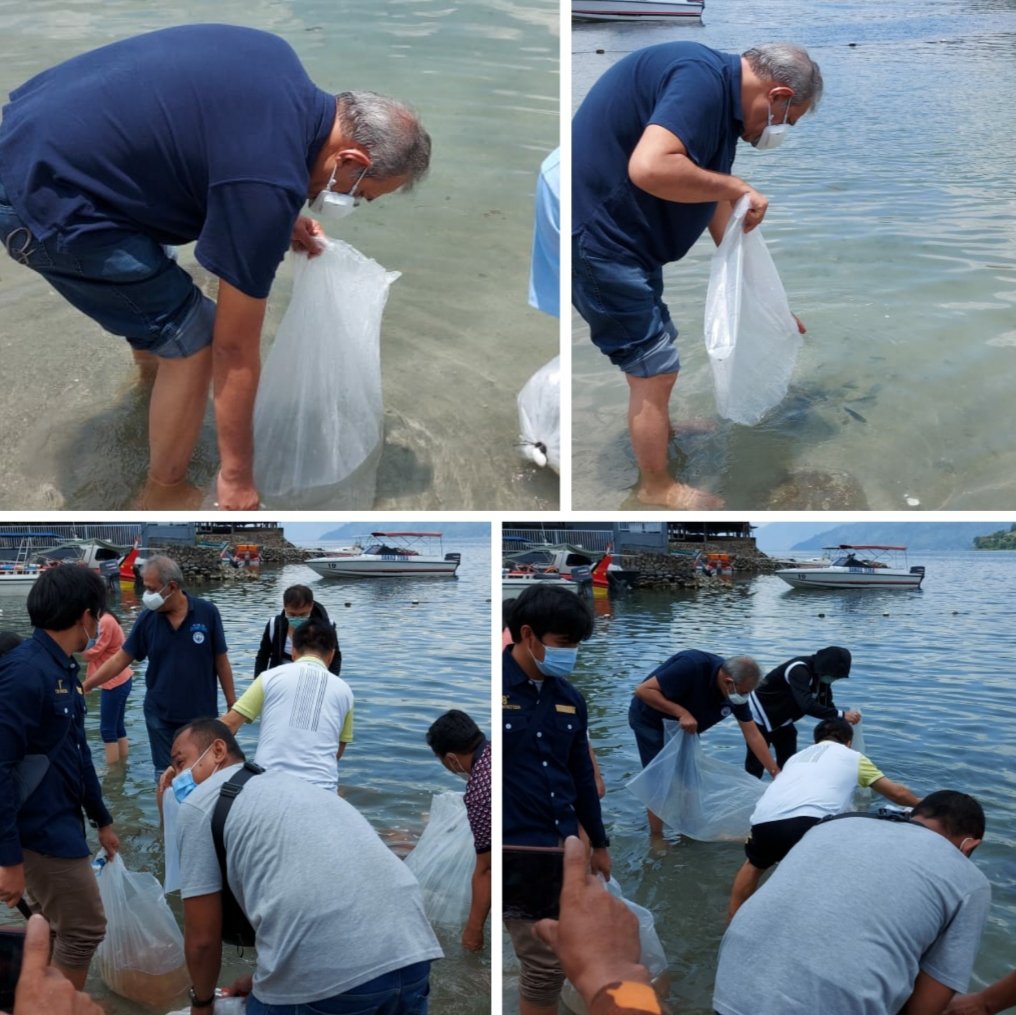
x,y
199,1002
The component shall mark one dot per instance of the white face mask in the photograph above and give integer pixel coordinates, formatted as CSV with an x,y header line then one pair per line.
x,y
330,205
155,600
774,134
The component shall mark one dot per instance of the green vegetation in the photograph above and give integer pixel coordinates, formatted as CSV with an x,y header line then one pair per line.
x,y
1004,539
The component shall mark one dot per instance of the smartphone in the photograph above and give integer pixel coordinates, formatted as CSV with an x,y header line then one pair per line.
x,y
12,946
531,880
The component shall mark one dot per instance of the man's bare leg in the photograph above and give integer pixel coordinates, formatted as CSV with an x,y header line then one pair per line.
x,y
649,426
745,883
175,416
148,367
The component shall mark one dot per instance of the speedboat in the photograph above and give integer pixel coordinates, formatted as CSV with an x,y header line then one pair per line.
x,y
641,10
880,567
392,555
515,582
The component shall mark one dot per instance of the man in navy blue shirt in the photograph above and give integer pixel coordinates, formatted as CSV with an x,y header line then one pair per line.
x,y
181,636
211,133
46,774
652,147
698,689
548,789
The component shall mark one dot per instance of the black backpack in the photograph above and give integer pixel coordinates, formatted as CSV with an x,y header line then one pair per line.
x,y
236,928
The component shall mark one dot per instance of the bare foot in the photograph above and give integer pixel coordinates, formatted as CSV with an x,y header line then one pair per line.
x,y
156,496
679,497
692,427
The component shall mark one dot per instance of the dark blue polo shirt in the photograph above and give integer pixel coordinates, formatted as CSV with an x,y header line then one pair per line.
x,y
548,787
200,132
689,89
689,679
42,711
181,679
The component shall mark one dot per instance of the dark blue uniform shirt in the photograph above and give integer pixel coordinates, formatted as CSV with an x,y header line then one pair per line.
x,y
548,785
199,132
181,677
42,711
684,87
689,679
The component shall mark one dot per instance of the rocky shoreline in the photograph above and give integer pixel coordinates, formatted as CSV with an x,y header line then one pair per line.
x,y
201,564
668,571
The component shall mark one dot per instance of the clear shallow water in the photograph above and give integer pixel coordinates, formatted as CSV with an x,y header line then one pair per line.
x,y
459,339
931,674
892,222
411,649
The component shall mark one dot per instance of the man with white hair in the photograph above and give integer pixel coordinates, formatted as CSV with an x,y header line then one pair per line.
x,y
213,133
182,638
653,144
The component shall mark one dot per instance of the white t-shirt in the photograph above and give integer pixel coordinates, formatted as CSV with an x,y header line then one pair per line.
x,y
817,781
303,708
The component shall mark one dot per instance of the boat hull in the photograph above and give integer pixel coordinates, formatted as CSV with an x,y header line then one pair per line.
x,y
850,578
17,580
642,10
383,567
516,585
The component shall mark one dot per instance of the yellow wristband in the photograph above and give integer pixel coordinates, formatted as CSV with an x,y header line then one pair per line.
x,y
625,996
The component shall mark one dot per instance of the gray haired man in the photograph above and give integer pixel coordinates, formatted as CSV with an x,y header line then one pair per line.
x,y
181,636
213,133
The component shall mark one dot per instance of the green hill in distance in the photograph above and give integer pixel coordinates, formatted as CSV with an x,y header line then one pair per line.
x,y
913,535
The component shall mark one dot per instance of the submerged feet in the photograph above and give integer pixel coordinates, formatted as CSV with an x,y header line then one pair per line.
x,y
678,497
156,496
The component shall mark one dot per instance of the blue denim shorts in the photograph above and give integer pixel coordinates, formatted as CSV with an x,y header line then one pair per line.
x,y
126,282
623,305
648,738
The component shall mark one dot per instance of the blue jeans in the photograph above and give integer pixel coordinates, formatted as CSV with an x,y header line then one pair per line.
x,y
402,992
124,281
112,705
623,305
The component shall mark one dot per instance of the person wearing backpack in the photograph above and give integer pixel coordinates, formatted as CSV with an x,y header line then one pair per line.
x,y
338,919
298,606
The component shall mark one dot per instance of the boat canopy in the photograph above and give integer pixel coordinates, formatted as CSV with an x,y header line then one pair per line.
x,y
407,535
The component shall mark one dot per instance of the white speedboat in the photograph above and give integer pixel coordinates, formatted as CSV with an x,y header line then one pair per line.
x,y
640,10
392,555
514,583
858,567
18,576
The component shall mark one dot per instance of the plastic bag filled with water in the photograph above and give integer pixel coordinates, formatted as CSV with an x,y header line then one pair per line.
x,y
141,957
318,417
694,794
443,861
539,405
751,335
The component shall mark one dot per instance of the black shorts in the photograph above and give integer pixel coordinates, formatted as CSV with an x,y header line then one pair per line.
x,y
770,841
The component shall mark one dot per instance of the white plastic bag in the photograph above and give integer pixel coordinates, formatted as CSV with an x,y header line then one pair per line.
x,y
141,957
443,861
539,405
318,417
862,796
694,794
651,953
751,335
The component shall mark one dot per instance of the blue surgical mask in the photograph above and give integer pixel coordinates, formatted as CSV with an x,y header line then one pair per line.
x,y
557,662
184,784
827,680
295,622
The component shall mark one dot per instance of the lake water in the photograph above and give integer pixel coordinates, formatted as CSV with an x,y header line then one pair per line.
x,y
892,222
931,674
411,649
459,339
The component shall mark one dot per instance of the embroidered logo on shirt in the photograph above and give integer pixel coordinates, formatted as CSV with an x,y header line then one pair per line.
x,y
570,709
60,689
